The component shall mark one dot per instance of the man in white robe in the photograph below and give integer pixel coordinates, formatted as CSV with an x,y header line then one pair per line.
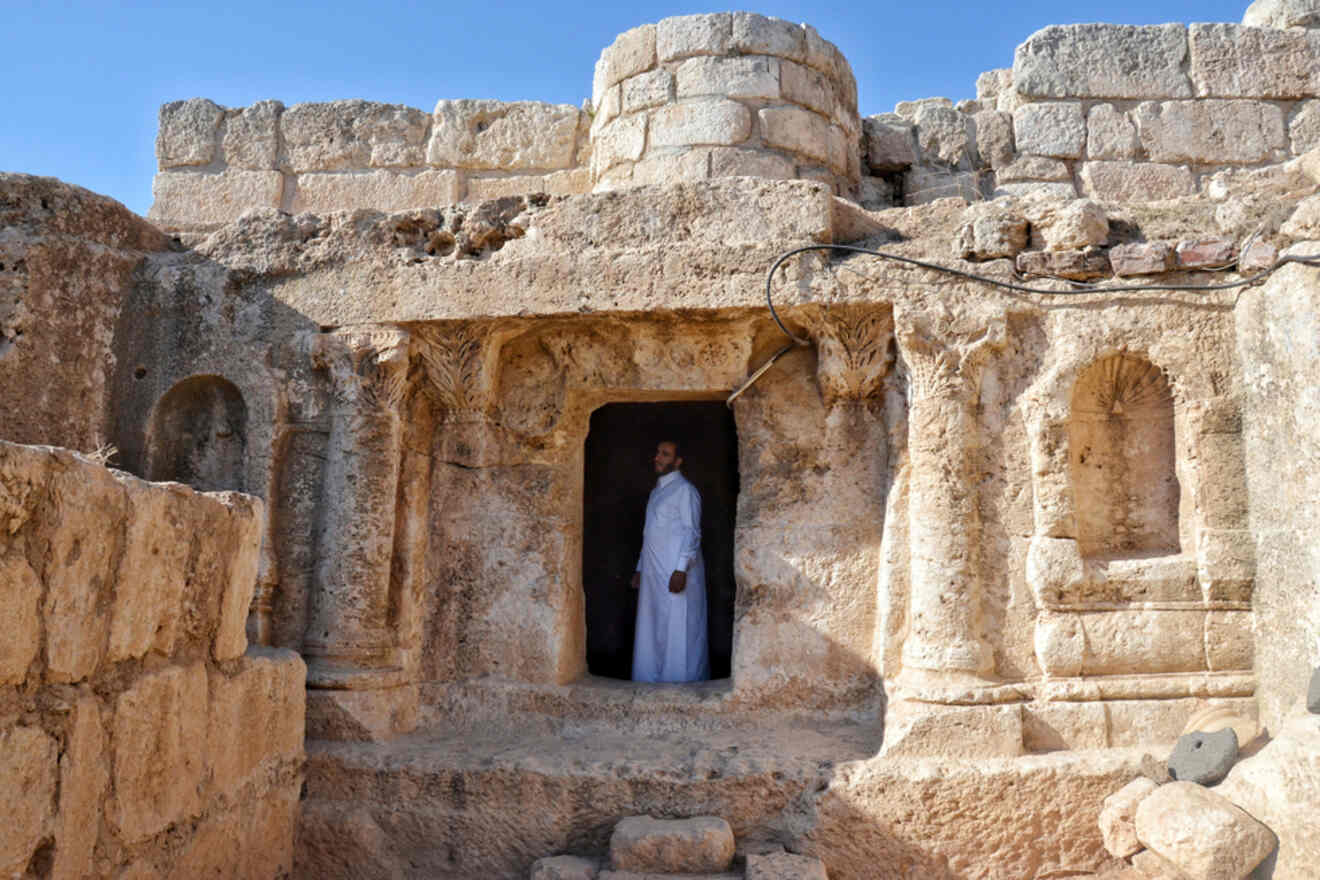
x,y
671,575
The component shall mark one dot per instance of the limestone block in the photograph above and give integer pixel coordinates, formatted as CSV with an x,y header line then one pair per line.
x,y
623,140
922,185
967,732
1103,61
943,134
1229,642
990,231
649,89
251,136
1153,866
1118,817
84,774
1259,256
784,866
736,162
1038,189
150,580
992,83
683,35
994,137
890,143
1054,569
557,183
1282,14
246,516
1141,258
1136,181
20,597
27,786
1133,642
908,109
255,715
1060,643
1033,168
1202,833
387,191
1204,757
741,76
801,131
1205,253
672,167
182,197
714,121
187,133
346,135
808,87
374,715
80,574
760,35
1056,726
1077,265
632,52
1080,223
608,106
564,867
1055,129
672,846
1280,786
1232,61
1110,134
510,136
1304,127
159,741
1211,131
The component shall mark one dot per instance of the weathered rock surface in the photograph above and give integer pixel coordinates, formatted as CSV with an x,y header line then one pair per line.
x,y
1201,832
1282,14
1118,817
991,231
784,866
563,868
1103,61
672,846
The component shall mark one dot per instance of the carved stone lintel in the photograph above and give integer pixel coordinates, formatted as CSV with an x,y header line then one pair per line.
x,y
853,353
365,364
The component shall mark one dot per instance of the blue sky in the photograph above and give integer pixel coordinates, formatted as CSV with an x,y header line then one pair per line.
x,y
83,81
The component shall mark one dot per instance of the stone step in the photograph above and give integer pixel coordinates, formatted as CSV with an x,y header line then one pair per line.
x,y
700,845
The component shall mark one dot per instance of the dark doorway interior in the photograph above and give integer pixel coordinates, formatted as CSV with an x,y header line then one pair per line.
x,y
618,479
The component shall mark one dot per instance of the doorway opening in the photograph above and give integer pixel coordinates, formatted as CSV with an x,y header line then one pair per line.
x,y
617,479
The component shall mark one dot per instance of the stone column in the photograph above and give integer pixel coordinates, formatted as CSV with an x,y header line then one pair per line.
x,y
349,644
944,645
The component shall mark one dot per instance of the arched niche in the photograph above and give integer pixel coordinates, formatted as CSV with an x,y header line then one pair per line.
x,y
198,435
1122,460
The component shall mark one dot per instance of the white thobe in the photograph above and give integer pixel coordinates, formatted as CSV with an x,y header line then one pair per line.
x,y
671,627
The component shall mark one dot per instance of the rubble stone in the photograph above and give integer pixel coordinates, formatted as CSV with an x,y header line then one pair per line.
x,y
1304,127
1204,253
1075,265
1141,258
784,866
1304,222
1103,61
1050,129
942,135
27,781
1076,224
890,142
1033,168
1259,256
20,598
1282,14
1202,833
563,868
672,846
991,230
1118,817
994,137
83,778
1204,758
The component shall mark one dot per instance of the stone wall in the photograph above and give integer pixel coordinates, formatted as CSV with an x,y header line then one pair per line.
x,y
137,731
217,162
723,95
1114,112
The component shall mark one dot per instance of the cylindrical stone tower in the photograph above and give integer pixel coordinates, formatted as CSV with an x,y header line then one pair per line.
x,y
722,95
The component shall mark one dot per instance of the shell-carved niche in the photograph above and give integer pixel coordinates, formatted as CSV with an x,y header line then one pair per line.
x,y
198,435
1122,460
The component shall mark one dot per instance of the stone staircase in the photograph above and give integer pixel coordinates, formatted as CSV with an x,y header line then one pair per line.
x,y
700,848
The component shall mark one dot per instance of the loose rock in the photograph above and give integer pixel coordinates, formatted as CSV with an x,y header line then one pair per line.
x,y
1203,834
1204,758
1118,826
563,868
672,846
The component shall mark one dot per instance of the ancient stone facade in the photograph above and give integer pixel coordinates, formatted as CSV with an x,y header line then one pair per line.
x,y
998,535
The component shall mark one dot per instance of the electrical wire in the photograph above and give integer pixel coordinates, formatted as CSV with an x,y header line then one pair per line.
x,y
1078,289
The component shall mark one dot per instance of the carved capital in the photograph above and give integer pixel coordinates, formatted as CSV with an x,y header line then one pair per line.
x,y
853,353
365,364
943,353
460,369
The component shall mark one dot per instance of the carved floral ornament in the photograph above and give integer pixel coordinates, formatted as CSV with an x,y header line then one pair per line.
x,y
853,353
943,353
368,364
455,359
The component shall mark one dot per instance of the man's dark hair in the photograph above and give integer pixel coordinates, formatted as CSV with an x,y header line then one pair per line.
x,y
678,446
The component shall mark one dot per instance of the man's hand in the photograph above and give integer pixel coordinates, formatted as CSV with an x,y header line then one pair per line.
x,y
678,582
637,580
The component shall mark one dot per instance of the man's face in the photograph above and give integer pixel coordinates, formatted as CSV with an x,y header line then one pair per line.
x,y
666,459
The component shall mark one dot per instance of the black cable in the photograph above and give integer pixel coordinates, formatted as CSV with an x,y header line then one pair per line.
x,y
1009,285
